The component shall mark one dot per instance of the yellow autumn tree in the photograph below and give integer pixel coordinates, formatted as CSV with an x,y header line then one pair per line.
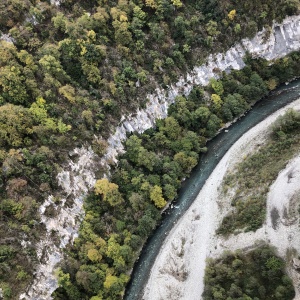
x,y
157,197
68,92
217,101
151,3
271,84
110,280
94,255
177,3
231,15
109,191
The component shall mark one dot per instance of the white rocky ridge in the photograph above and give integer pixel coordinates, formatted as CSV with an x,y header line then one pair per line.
x,y
7,38
75,180
284,38
55,2
78,177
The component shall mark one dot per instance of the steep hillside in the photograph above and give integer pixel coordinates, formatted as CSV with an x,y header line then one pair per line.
x,y
68,71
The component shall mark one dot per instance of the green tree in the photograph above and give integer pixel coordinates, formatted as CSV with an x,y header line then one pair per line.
x,y
170,128
137,201
133,146
51,65
170,191
12,85
16,125
59,22
186,161
212,28
200,117
213,124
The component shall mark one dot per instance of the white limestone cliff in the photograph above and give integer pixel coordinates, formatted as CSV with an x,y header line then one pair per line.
x,y
284,39
79,176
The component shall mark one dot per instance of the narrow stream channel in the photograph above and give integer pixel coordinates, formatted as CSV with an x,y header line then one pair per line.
x,y
217,147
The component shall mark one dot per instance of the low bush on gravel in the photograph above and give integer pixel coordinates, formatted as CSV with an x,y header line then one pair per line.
x,y
253,176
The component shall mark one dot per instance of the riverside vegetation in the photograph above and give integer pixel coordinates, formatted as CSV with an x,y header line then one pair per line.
x,y
256,274
121,213
250,199
70,73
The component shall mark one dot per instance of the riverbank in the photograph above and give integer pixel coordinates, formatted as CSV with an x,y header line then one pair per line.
x,y
179,268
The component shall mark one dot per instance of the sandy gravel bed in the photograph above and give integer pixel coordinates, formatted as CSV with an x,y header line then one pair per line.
x,y
179,268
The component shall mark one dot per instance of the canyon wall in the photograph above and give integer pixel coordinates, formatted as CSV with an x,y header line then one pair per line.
x,y
78,175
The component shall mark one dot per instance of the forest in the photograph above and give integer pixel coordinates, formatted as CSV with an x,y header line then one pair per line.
x,y
121,213
68,73
257,274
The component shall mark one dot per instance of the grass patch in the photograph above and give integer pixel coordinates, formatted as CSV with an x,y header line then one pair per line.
x,y
252,177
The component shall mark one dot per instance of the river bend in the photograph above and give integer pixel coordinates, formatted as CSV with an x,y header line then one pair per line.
x,y
217,148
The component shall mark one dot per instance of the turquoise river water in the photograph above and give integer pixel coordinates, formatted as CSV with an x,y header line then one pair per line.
x,y
217,147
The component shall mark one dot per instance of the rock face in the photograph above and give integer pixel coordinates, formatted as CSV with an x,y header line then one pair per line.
x,y
78,176
7,38
55,2
284,39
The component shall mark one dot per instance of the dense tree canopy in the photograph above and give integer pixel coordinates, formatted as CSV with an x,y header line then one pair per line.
x,y
69,70
257,274
152,168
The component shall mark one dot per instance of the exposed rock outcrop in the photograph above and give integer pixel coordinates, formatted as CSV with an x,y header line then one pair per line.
x,y
77,177
284,39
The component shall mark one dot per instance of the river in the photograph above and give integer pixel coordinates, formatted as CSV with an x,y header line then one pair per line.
x,y
217,147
